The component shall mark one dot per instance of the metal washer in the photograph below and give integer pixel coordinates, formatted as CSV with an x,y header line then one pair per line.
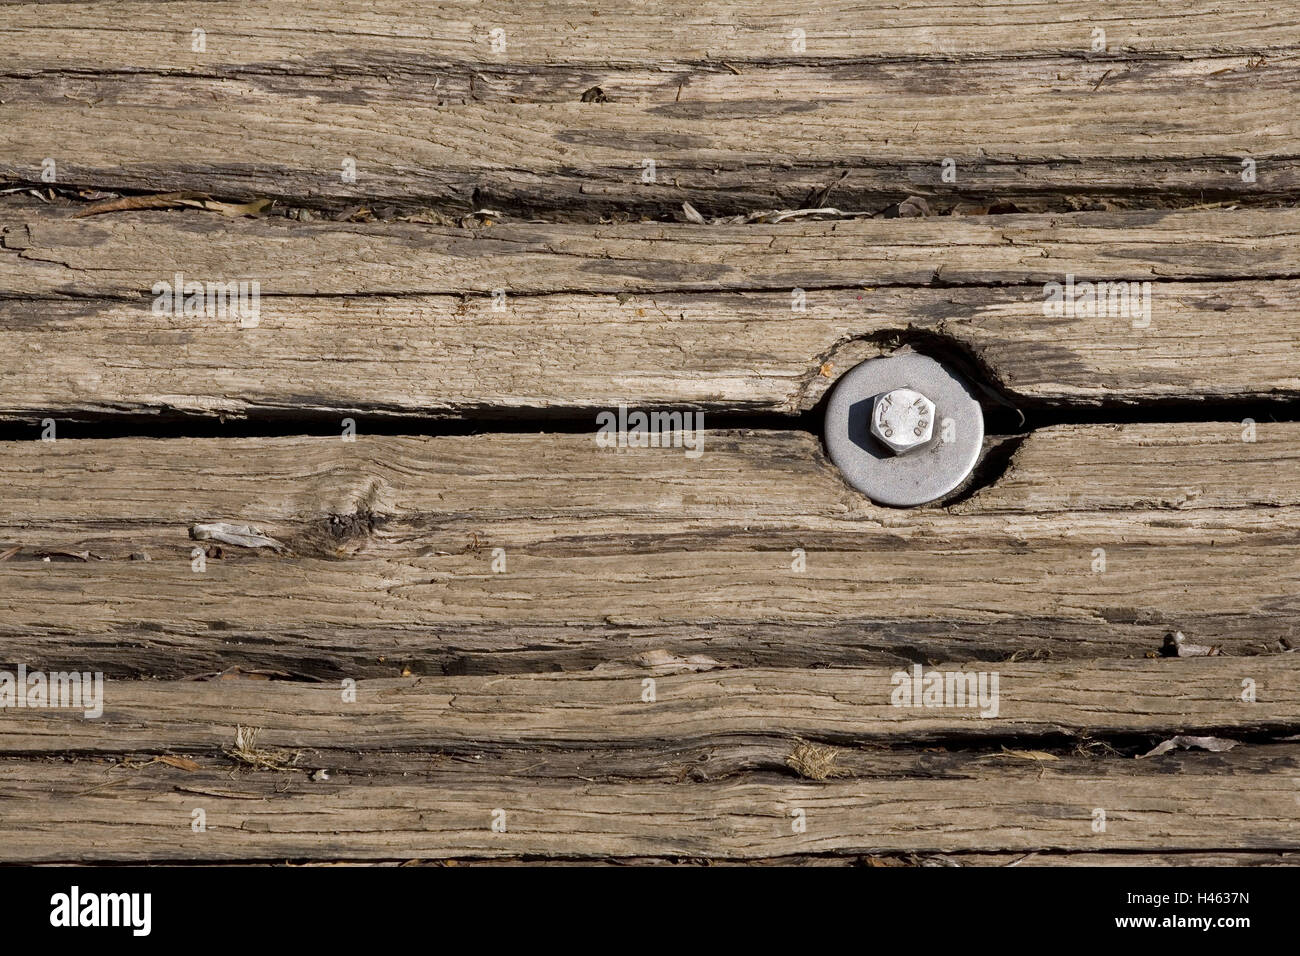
x,y
923,474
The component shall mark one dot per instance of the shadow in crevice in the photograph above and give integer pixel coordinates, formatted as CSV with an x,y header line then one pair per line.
x,y
1006,413
1009,419
993,464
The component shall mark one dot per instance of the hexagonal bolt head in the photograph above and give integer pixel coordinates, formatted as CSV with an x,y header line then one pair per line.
x,y
902,420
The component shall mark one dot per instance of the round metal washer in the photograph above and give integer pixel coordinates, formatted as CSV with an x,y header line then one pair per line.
x,y
924,473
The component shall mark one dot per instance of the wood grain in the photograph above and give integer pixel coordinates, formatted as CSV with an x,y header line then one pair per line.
x,y
391,357
594,317
1242,800
605,708
1085,141
610,554
124,255
88,35
736,115
505,601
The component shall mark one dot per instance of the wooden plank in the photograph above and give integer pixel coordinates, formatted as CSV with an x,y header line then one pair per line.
x,y
735,113
1056,135
505,601
405,528
1242,800
316,34
125,255
654,314
689,84
526,489
737,352
605,708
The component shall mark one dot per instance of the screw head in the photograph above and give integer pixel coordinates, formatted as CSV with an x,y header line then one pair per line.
x,y
871,466
902,420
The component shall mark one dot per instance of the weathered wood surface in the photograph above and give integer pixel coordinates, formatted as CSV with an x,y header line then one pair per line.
x,y
425,808
735,117
605,708
1077,547
86,36
402,356
725,156
611,554
123,255
397,319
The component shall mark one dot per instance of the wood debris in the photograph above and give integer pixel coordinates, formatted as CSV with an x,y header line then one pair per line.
x,y
239,535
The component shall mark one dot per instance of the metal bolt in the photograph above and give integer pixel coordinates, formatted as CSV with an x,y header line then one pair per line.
x,y
904,429
902,420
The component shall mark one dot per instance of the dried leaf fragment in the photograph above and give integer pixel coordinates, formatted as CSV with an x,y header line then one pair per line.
x,y
235,672
1216,744
180,763
1177,646
63,553
175,201
240,535
666,659
662,662
235,210
156,201
913,207
1038,755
